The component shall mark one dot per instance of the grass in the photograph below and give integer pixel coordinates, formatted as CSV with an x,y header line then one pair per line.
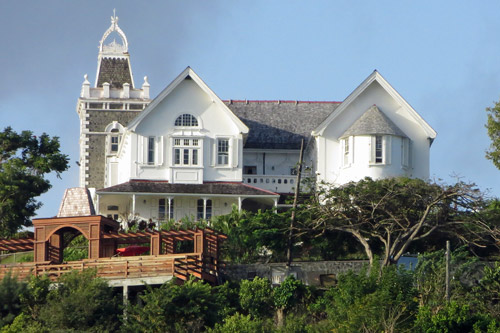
x,y
17,257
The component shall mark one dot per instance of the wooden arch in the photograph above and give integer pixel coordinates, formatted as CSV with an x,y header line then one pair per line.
x,y
48,239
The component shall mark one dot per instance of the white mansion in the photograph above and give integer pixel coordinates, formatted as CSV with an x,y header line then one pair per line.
x,y
189,153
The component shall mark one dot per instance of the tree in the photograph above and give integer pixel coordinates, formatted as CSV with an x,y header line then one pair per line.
x,y
174,308
25,160
81,302
286,296
393,213
10,298
493,126
256,297
366,302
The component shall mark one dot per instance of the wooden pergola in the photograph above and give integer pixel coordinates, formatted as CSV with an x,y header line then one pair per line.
x,y
52,235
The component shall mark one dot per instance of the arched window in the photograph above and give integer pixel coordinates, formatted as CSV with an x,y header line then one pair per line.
x,y
186,120
115,131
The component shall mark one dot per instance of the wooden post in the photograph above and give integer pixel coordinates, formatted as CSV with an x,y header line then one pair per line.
x,y
294,207
447,289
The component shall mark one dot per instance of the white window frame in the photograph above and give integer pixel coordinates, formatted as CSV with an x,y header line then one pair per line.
x,y
405,152
220,154
186,120
189,147
385,146
151,150
347,149
113,138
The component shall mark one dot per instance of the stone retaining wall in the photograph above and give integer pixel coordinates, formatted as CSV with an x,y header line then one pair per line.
x,y
317,273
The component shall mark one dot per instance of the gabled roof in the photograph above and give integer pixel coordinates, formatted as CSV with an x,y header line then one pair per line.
x,y
164,187
373,121
280,124
375,76
187,73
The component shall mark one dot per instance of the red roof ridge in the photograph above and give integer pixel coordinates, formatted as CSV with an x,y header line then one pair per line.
x,y
277,101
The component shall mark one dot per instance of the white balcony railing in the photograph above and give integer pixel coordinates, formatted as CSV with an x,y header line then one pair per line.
x,y
274,183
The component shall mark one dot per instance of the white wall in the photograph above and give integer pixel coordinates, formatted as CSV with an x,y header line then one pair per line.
x,y
214,122
329,164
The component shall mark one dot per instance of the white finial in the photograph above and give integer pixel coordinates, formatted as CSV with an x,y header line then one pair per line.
x,y
114,18
114,47
146,80
86,79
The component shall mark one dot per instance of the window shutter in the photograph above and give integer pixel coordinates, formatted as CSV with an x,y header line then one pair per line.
x,y
159,150
372,149
342,150
410,152
405,150
387,148
140,149
234,152
212,144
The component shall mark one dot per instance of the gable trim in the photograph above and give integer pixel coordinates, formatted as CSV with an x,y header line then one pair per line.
x,y
188,72
375,76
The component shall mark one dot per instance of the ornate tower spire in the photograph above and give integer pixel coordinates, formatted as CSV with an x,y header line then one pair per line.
x,y
113,61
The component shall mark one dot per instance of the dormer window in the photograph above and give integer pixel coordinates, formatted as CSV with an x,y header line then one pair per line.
x,y
186,120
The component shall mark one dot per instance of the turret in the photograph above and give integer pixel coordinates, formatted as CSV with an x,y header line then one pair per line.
x,y
112,103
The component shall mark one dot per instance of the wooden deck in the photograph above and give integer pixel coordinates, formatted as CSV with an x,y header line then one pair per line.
x,y
181,266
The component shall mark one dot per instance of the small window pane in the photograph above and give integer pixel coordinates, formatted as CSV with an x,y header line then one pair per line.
x,y
177,156
151,150
186,120
195,157
223,151
186,157
378,149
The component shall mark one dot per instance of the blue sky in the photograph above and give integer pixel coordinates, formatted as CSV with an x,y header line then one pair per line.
x,y
443,57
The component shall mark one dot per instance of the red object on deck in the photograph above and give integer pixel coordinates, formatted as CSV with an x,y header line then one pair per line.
x,y
132,250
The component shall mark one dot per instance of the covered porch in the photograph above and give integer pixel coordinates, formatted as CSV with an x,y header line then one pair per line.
x,y
159,201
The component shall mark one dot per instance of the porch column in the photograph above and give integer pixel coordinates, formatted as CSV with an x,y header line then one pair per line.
x,y
204,208
275,205
239,204
133,205
169,208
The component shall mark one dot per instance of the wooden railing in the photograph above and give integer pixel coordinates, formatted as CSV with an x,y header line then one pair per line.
x,y
179,265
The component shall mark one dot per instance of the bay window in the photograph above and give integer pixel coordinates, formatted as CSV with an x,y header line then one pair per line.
x,y
186,152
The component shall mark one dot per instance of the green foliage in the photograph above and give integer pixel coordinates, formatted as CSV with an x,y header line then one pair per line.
x,y
24,161
256,297
239,323
454,317
77,249
174,308
81,302
228,299
35,295
493,126
487,291
24,323
368,302
289,293
430,276
253,236
10,298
